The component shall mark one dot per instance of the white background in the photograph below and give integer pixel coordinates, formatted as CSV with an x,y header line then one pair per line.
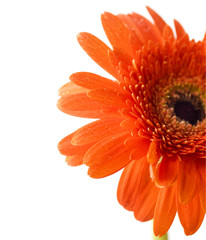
x,y
40,196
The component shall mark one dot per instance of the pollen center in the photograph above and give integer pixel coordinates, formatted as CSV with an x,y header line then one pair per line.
x,y
186,111
186,105
183,103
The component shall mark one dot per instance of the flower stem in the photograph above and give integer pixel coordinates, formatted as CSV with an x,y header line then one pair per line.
x,y
160,238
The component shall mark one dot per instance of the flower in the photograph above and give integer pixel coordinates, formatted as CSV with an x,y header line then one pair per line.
x,y
151,118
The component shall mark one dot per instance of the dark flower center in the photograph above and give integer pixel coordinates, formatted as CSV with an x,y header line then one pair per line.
x,y
186,111
186,103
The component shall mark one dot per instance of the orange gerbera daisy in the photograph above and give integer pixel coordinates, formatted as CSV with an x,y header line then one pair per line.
x,y
152,118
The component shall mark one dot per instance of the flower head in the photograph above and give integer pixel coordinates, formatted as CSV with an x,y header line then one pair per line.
x,y
152,118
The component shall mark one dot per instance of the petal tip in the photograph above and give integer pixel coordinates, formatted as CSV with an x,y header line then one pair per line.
x,y
81,36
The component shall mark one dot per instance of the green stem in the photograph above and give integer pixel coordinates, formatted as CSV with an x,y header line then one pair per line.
x,y
160,238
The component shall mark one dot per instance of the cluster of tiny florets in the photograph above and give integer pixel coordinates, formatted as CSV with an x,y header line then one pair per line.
x,y
158,73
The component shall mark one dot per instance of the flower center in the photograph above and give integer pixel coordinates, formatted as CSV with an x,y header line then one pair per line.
x,y
186,111
186,105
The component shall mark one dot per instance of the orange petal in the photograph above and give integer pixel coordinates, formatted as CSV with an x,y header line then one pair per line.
x,y
164,173
186,179
74,161
165,210
191,215
147,29
71,88
66,148
145,202
107,156
108,168
168,33
201,166
123,58
117,33
81,105
202,182
106,149
136,38
96,131
109,97
97,50
160,23
132,176
202,192
179,29
128,124
153,155
141,147
92,81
